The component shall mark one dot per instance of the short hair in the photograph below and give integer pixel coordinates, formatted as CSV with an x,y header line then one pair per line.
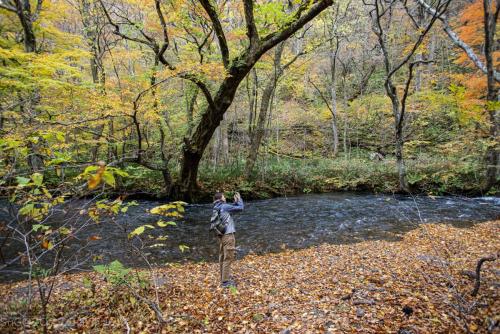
x,y
218,195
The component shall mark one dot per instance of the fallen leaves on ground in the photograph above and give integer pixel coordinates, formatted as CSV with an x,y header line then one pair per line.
x,y
420,284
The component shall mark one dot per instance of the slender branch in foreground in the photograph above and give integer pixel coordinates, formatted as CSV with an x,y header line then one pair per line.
x,y
478,272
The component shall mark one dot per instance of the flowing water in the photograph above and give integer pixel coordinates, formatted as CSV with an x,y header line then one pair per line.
x,y
268,226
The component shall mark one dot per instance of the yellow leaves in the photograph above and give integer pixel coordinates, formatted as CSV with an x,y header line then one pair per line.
x,y
473,327
102,174
139,230
95,179
162,223
173,209
162,209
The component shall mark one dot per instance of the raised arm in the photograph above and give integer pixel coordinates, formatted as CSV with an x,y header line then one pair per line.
x,y
236,206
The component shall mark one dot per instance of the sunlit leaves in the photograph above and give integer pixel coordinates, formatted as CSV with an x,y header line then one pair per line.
x,y
95,175
22,181
173,209
140,230
162,223
37,179
37,227
183,248
109,178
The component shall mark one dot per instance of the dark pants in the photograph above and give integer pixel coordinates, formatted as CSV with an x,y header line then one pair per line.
x,y
227,250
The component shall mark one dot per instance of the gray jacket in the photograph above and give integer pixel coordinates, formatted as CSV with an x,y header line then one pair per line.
x,y
225,215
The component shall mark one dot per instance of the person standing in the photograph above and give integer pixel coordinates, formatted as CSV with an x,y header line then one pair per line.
x,y
227,242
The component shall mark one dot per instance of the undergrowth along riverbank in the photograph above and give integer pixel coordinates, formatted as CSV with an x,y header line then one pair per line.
x,y
287,176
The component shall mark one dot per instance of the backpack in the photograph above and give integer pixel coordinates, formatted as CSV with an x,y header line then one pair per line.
x,y
217,223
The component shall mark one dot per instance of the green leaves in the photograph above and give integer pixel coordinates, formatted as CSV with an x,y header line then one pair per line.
x,y
115,272
37,227
233,290
139,230
27,209
109,178
162,223
22,181
37,179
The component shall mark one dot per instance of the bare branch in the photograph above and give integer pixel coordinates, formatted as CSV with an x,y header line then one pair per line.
x,y
219,32
407,86
8,6
478,272
323,97
203,87
420,38
117,28
166,41
252,33
38,9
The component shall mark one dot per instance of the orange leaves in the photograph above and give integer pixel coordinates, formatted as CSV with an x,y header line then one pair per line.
x,y
471,30
102,174
94,180
472,19
47,244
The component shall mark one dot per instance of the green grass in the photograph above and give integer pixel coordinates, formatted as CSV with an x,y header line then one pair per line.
x,y
428,174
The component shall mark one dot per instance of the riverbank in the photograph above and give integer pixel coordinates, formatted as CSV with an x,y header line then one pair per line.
x,y
427,174
420,284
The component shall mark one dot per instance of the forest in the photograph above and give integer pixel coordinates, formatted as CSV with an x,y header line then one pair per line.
x,y
186,98
108,107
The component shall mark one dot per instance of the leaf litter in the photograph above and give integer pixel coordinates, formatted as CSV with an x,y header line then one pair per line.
x,y
420,284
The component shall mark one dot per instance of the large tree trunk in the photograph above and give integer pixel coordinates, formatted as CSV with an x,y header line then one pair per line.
x,y
398,135
194,146
252,93
220,152
190,103
493,97
346,117
403,182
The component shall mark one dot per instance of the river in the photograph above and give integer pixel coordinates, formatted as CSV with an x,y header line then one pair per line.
x,y
269,226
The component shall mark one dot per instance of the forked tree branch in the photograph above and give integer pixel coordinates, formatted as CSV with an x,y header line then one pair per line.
x,y
299,21
219,32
